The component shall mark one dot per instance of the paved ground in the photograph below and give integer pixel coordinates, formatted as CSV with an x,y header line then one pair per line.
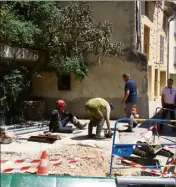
x,y
69,145
23,147
78,137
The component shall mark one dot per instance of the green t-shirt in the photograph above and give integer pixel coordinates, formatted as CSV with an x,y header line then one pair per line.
x,y
96,107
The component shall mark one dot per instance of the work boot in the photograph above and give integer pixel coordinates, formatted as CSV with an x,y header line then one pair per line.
x,y
80,126
100,137
77,124
129,130
91,136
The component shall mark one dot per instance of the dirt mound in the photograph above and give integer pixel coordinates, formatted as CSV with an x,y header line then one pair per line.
x,y
97,163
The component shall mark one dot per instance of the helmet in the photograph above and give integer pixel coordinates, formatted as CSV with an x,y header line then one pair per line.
x,y
61,104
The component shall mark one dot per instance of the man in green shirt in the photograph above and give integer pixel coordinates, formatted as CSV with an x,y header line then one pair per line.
x,y
99,111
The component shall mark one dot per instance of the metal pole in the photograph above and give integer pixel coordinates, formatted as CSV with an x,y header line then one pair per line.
x,y
168,34
147,180
140,14
168,37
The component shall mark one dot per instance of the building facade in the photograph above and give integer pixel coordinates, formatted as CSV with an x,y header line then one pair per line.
x,y
154,29
106,80
172,50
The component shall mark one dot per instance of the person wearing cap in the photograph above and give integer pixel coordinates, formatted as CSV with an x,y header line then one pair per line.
x,y
60,116
99,111
130,99
168,100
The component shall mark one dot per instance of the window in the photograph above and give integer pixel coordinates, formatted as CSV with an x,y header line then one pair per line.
x,y
165,23
147,8
64,82
146,41
161,48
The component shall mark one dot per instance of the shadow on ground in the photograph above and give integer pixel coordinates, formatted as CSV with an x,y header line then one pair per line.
x,y
82,137
85,137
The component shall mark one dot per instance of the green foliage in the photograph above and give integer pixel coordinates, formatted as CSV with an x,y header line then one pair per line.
x,y
11,86
13,29
65,65
68,30
14,84
63,32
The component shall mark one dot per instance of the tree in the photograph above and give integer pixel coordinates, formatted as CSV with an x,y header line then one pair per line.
x,y
62,32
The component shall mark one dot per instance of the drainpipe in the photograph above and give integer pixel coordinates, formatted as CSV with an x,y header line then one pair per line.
x,y
168,38
139,24
171,18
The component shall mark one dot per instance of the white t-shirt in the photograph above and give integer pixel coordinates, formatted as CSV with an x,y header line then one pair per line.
x,y
169,95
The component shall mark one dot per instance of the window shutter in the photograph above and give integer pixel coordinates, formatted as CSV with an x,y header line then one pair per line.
x,y
161,48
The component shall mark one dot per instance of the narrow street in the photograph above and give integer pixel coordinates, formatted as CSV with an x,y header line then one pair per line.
x,y
76,145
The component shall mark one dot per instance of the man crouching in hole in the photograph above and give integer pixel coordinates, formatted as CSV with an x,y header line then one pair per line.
x,y
99,111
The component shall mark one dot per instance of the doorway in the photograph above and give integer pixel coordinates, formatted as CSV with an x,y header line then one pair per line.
x,y
162,80
146,41
150,82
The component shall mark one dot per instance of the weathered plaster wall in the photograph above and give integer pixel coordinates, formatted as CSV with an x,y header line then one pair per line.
x,y
105,80
122,15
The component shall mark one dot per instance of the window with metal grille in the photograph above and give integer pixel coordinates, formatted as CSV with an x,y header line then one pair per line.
x,y
161,48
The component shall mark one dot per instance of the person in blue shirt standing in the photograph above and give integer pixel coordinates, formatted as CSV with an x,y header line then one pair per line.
x,y
130,99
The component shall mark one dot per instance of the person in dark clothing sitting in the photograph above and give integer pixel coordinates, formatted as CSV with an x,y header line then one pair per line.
x,y
60,118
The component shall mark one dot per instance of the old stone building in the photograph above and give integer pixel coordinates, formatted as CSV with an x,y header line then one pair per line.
x,y
103,80
172,46
154,36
